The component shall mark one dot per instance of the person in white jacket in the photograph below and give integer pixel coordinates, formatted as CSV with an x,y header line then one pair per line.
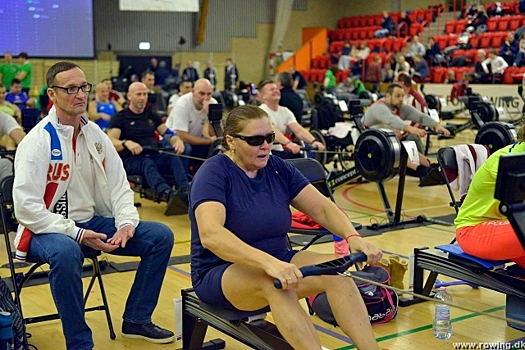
x,y
70,194
497,65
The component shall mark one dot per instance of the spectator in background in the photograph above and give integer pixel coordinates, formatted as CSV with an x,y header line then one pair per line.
x,y
153,65
478,24
470,10
509,49
185,86
299,82
190,120
416,47
8,70
401,65
231,75
345,90
329,81
102,108
433,53
19,97
404,30
210,73
289,98
345,60
8,107
25,72
374,73
389,74
387,26
190,73
161,74
420,71
114,95
521,53
497,65
148,78
451,77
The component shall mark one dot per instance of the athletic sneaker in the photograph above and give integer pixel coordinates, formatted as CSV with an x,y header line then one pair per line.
x,y
148,331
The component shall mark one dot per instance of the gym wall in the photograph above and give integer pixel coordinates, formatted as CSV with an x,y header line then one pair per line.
x,y
241,29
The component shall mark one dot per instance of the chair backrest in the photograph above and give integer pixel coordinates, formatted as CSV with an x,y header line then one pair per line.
x,y
447,161
314,172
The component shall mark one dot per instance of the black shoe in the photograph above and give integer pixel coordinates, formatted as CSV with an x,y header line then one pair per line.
x,y
177,203
433,177
148,331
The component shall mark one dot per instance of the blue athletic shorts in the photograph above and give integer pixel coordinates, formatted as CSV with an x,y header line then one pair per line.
x,y
209,288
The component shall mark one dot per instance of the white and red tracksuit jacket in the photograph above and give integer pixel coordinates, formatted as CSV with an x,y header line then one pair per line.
x,y
42,176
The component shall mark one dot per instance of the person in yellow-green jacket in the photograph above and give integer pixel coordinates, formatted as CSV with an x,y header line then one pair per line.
x,y
481,229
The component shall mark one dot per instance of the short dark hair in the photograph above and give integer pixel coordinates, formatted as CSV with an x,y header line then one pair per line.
x,y
391,88
285,78
2,86
404,78
15,81
58,67
147,72
185,81
263,83
23,55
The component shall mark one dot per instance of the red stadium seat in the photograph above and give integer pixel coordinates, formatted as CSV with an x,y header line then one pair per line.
x,y
485,40
452,40
474,41
438,74
441,41
492,24
503,24
508,73
514,23
461,25
450,27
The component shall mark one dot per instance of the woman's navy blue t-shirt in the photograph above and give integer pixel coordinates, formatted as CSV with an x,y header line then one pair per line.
x,y
257,210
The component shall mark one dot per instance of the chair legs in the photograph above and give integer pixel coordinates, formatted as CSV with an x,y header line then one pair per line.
x,y
105,304
95,276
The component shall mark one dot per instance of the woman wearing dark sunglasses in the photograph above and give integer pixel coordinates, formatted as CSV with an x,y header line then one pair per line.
x,y
240,216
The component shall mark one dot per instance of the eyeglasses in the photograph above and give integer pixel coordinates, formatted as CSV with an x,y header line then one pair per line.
x,y
258,139
73,90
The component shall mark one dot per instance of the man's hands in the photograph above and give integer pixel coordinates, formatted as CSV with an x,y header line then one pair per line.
x,y
439,128
133,147
415,131
178,144
95,240
122,236
319,145
292,146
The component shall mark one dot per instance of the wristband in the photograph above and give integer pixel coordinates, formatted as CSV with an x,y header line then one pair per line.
x,y
352,235
287,143
123,143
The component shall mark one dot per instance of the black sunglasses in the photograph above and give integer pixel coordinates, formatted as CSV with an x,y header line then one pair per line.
x,y
258,139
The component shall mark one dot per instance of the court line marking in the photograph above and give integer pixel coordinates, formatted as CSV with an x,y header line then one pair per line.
x,y
424,328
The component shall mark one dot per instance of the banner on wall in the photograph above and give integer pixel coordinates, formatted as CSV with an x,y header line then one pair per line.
x,y
159,5
493,93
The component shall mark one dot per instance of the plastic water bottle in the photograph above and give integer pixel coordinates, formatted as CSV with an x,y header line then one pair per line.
x,y
442,327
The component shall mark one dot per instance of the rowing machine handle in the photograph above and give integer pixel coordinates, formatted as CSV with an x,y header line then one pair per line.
x,y
313,270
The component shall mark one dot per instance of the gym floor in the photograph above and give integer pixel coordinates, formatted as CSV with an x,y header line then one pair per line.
x,y
411,329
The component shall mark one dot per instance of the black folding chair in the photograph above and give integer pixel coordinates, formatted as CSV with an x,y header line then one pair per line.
x,y
19,279
314,172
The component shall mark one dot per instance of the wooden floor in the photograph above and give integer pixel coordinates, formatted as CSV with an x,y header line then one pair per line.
x,y
410,330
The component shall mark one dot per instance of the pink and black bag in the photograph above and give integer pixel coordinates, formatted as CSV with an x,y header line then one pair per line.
x,y
381,303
